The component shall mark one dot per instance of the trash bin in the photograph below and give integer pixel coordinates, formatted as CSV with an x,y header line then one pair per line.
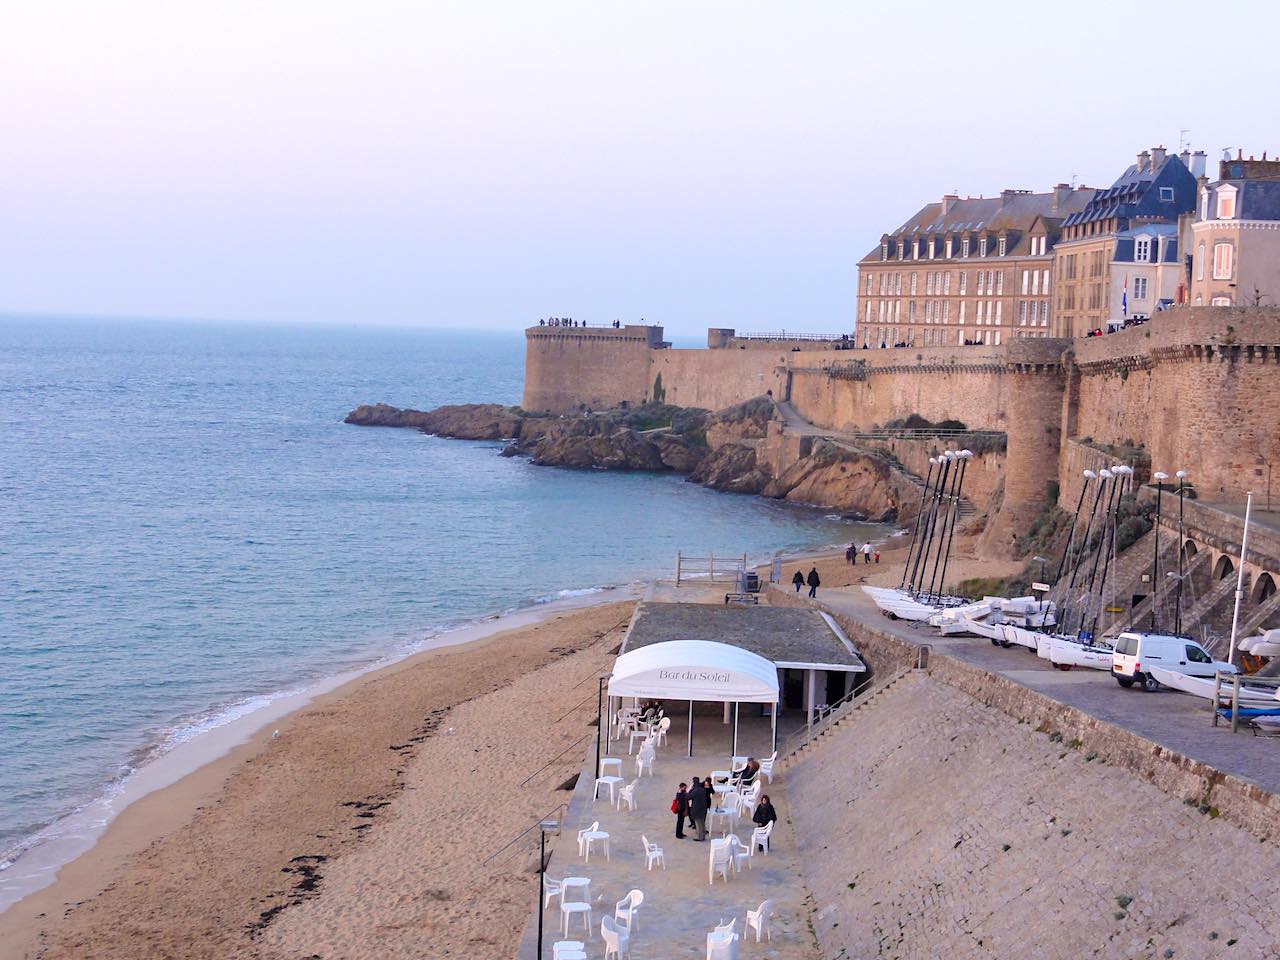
x,y
753,583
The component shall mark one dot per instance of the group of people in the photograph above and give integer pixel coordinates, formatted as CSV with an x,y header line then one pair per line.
x,y
570,322
868,551
692,803
813,580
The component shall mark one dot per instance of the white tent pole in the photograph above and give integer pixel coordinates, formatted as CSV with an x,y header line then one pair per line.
x,y
774,725
691,728
1244,549
735,729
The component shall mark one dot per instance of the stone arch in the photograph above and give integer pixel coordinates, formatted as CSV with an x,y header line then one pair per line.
x,y
1189,550
1264,588
1223,568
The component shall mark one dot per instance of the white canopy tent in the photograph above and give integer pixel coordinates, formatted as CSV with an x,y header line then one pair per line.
x,y
697,670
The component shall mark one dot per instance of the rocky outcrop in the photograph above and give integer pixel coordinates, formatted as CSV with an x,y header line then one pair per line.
x,y
748,420
850,481
468,421
734,467
620,450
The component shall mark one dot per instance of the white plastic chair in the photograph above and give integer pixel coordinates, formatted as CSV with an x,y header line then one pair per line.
x,y
568,950
760,836
766,767
589,836
642,732
617,942
627,795
660,733
739,853
550,888
722,942
720,863
652,854
758,920
624,911
644,759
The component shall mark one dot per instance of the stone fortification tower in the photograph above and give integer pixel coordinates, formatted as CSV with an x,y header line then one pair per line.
x,y
573,368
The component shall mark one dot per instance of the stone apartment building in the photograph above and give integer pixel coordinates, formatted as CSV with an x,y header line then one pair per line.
x,y
1118,257
1234,236
972,270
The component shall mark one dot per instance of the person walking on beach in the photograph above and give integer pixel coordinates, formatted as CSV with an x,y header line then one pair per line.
x,y
681,807
813,581
866,552
798,580
851,553
698,804
877,556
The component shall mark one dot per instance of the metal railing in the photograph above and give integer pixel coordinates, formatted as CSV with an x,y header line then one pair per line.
x,y
787,335
834,713
911,433
575,743
704,569
557,813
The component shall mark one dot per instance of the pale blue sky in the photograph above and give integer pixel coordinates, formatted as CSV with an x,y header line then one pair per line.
x,y
484,164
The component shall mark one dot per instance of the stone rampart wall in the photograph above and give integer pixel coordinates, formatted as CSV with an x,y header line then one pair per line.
x,y
714,379
571,368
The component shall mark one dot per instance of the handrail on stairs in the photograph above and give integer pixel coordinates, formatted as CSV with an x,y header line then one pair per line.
x,y
833,714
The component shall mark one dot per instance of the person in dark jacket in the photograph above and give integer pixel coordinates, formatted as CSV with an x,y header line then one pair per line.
x,y
798,580
765,814
682,810
699,802
813,581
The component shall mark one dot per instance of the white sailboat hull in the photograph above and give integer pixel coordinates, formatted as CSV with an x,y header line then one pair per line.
x,y
1203,687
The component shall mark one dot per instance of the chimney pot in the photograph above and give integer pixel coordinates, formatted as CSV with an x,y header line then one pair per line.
x,y
1157,156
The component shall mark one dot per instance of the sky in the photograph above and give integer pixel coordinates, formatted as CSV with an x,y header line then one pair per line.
x,y
485,164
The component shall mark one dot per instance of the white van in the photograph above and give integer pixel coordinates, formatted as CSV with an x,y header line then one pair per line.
x,y
1179,654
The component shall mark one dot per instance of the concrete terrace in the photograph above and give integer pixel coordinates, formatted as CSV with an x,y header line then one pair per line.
x,y
680,907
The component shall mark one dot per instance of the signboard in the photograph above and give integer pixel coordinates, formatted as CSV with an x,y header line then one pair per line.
x,y
1042,587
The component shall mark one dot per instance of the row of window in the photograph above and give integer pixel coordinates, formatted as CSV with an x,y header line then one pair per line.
x,y
1031,280
889,336
930,248
938,282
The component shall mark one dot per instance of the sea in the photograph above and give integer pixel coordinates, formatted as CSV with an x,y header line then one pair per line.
x,y
190,533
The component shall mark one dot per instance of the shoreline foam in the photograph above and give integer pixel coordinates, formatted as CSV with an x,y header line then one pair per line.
x,y
193,744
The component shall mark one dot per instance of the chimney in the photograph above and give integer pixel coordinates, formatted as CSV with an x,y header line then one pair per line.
x,y
949,201
1198,161
1061,194
1143,158
1157,157
1185,157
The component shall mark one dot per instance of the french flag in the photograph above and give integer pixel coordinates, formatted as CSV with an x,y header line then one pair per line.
x,y
1124,299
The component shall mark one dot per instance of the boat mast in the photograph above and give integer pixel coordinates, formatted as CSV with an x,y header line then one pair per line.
x,y
1244,548
1109,544
918,568
1084,545
949,506
916,531
965,456
1097,554
1155,548
1182,554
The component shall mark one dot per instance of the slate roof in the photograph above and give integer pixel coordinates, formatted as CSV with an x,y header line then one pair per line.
x,y
1136,195
1014,214
780,634
1255,199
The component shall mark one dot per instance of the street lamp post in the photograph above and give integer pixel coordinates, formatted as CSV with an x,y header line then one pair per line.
x,y
1042,561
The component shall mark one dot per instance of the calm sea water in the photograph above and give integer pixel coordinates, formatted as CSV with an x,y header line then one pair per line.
x,y
187,525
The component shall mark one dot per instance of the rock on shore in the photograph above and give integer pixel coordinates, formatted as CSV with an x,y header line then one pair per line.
x,y
468,421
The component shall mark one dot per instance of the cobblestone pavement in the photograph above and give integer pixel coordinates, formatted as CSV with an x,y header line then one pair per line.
x,y
934,826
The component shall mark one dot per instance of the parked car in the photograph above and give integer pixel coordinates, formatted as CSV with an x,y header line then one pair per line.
x,y
1179,654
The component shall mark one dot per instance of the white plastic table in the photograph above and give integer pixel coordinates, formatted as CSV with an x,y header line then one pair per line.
x,y
592,835
607,762
612,783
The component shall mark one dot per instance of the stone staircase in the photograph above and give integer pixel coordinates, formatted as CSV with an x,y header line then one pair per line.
x,y
1264,616
1205,617
1133,564
808,740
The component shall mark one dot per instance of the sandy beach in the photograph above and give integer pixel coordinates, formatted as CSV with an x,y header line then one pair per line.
x,y
362,830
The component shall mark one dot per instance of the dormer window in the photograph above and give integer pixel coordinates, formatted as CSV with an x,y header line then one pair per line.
x,y
947,249
982,246
1142,250
1001,246
964,247
902,249
884,250
1226,203
915,249
932,242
